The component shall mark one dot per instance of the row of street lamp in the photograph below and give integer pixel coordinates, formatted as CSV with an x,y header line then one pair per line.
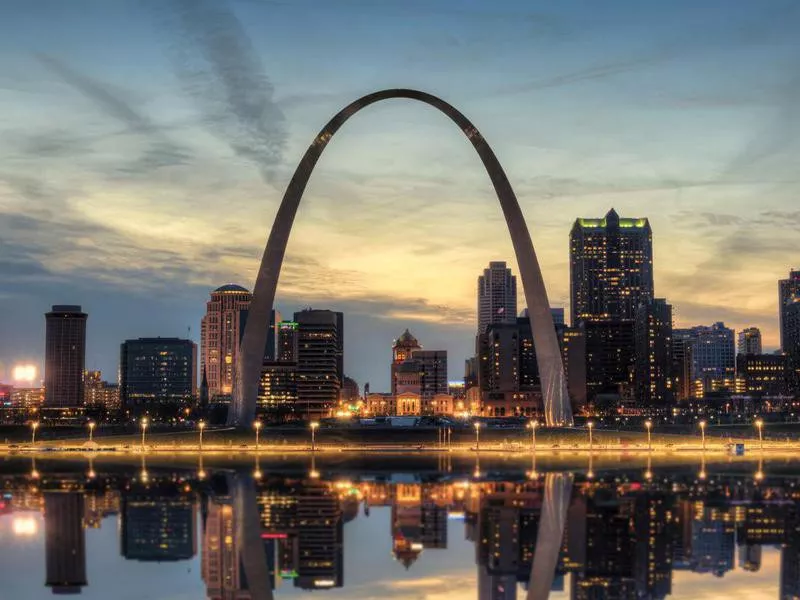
x,y
532,425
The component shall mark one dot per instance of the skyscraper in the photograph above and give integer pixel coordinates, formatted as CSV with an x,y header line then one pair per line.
x,y
157,372
65,355
787,289
653,356
713,355
611,267
221,330
792,342
749,341
433,372
65,542
320,350
287,342
497,296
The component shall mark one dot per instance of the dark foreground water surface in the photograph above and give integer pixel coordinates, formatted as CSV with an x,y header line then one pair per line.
x,y
397,528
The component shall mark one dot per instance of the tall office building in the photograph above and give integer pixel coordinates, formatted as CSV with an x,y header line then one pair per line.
x,y
65,542
65,356
611,267
497,296
433,372
320,351
713,355
787,289
287,342
610,351
763,374
156,372
749,341
653,355
221,331
682,360
792,342
277,391
508,375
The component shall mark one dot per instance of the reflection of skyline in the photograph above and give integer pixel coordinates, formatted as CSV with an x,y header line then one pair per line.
x,y
622,539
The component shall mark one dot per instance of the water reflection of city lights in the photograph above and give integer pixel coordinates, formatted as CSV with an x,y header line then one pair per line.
x,y
25,526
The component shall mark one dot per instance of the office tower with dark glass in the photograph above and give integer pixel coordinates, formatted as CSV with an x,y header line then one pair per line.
x,y
611,267
788,289
320,351
497,296
749,341
65,355
713,356
653,355
157,372
65,541
611,275
220,333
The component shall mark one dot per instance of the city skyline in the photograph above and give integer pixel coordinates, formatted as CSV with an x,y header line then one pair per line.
x,y
664,132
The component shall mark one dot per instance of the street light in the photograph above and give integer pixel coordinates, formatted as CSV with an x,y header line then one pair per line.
x,y
649,425
34,427
91,431
314,425
760,426
590,426
703,433
201,425
533,425
257,425
477,426
144,428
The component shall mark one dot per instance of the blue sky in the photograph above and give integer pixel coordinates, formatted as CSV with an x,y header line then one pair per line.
x,y
146,145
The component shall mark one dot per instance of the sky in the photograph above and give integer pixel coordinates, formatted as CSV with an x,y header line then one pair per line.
x,y
145,146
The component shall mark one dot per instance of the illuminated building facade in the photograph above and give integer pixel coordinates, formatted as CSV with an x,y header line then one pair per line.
x,y
99,393
682,364
27,398
792,342
713,355
611,267
497,296
157,371
610,352
788,289
433,372
320,354
277,392
611,275
573,352
762,374
748,341
65,355
287,342
653,355
221,329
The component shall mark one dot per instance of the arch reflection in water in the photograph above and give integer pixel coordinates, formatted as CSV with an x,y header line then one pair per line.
x,y
618,535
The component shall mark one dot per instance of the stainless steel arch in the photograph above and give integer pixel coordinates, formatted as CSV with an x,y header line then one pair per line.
x,y
248,369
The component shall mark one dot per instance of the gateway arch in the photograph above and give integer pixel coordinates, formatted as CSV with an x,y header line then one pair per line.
x,y
248,368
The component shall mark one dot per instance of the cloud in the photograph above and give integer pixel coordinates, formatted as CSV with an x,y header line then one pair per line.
x,y
161,152
220,70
